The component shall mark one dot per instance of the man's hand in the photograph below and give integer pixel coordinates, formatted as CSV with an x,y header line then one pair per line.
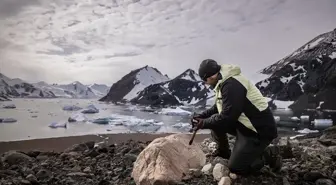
x,y
193,120
197,123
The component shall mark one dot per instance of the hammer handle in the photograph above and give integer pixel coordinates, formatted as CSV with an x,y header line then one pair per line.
x,y
193,137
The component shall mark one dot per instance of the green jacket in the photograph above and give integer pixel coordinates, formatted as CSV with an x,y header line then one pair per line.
x,y
239,105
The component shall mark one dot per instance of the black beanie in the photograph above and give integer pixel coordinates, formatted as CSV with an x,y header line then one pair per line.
x,y
208,68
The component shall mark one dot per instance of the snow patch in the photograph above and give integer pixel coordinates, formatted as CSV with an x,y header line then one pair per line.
x,y
313,44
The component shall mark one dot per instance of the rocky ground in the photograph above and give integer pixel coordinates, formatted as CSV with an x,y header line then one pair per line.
x,y
306,161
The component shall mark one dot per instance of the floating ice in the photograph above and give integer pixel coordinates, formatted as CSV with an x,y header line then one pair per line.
x,y
182,126
91,109
7,120
58,125
295,118
10,106
281,104
132,108
277,118
307,131
117,119
175,112
77,117
71,108
101,121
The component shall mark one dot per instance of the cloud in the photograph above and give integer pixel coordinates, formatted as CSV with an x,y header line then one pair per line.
x,y
90,41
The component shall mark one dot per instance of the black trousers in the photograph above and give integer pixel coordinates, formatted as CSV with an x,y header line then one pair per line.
x,y
247,154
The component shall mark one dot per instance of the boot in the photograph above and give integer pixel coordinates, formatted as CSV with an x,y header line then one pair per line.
x,y
223,154
273,158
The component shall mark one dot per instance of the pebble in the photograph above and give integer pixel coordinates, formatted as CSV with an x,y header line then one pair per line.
x,y
225,181
220,171
207,169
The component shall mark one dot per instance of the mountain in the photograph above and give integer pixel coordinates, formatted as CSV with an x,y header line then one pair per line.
x,y
74,90
185,89
102,88
131,84
14,88
306,76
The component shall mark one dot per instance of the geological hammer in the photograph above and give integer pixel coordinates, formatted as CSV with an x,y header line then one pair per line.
x,y
195,131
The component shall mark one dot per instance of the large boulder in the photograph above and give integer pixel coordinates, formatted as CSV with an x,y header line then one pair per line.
x,y
167,160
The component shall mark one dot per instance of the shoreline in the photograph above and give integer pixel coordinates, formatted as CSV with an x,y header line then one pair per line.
x,y
59,144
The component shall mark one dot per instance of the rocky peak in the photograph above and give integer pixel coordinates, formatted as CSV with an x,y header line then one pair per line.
x,y
189,74
322,45
131,84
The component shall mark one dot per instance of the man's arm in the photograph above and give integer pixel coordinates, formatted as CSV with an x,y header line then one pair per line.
x,y
209,112
233,96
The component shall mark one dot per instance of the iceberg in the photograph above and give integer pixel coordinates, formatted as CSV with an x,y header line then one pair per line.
x,y
10,106
174,112
101,121
58,125
71,108
77,117
91,109
7,120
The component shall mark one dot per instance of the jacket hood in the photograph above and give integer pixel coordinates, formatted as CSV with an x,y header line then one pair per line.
x,y
229,70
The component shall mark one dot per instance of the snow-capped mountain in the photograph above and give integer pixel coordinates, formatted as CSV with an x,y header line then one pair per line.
x,y
131,84
307,76
13,88
185,89
74,90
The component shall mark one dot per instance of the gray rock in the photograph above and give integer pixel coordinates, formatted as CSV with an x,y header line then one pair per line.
x,y
43,174
220,160
207,169
13,157
41,157
78,174
233,176
77,148
334,174
31,178
195,172
324,182
131,157
23,181
87,170
225,181
220,171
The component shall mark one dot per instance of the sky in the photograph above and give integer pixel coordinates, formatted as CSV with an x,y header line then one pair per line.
x,y
61,41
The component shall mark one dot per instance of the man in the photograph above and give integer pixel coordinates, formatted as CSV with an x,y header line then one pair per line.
x,y
240,110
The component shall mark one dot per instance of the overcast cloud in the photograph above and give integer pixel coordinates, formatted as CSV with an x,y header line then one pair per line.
x,y
100,41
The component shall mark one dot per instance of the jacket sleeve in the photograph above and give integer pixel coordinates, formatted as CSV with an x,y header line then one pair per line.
x,y
233,98
209,112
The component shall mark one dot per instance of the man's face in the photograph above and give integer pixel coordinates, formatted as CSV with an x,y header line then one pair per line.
x,y
212,80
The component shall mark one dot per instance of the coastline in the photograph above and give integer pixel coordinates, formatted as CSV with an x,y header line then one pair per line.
x,y
59,144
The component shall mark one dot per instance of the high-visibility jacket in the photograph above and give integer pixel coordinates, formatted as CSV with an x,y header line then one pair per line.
x,y
239,105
